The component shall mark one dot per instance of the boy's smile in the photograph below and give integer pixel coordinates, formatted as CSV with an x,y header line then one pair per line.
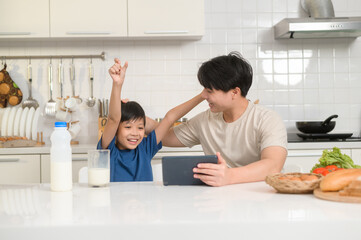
x,y
130,134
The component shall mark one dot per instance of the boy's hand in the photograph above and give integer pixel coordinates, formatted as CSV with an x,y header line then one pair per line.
x,y
117,72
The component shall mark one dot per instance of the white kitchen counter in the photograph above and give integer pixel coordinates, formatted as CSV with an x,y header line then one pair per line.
x,y
323,145
83,148
139,210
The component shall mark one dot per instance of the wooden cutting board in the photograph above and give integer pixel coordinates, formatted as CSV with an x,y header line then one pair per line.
x,y
17,143
335,196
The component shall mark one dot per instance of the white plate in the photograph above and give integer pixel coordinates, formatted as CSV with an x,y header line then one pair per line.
x,y
10,131
29,123
23,121
17,121
34,128
4,122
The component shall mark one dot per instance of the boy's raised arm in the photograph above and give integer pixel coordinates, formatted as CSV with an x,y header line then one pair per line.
x,y
174,114
117,73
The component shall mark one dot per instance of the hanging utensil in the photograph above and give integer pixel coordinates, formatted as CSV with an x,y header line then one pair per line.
x,y
61,77
103,113
50,106
72,81
106,108
30,102
90,102
72,77
60,104
100,108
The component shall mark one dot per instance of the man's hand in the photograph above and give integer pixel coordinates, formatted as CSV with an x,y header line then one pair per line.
x,y
117,72
213,174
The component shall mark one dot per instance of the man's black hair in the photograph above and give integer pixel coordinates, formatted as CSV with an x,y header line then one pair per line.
x,y
132,111
226,72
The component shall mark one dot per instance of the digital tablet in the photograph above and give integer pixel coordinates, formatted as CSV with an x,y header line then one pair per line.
x,y
179,170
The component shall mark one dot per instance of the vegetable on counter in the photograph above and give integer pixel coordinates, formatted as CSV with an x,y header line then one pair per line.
x,y
332,161
326,170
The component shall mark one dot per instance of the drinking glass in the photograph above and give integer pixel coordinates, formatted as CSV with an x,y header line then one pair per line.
x,y
98,168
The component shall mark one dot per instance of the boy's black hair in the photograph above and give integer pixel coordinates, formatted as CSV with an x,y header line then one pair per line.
x,y
226,72
132,111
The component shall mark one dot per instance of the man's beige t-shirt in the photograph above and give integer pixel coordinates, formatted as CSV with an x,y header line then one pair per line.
x,y
240,142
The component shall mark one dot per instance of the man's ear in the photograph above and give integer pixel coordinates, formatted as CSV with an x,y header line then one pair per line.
x,y
236,91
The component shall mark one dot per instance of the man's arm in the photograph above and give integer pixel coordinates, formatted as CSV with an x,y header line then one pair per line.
x,y
174,114
150,125
272,160
169,140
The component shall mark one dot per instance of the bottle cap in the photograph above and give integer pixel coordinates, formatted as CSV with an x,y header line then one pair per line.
x,y
60,124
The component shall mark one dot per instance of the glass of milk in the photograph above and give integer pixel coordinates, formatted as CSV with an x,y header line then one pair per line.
x,y
98,168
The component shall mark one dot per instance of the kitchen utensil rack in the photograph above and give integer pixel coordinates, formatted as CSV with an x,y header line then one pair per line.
x,y
101,56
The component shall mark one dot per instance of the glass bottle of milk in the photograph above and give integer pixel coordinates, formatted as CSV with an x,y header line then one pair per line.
x,y
60,159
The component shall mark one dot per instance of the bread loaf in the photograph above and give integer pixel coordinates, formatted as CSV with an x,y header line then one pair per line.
x,y
337,180
353,189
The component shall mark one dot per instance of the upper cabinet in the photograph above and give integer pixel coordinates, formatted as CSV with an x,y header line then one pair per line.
x,y
176,18
104,19
84,18
24,19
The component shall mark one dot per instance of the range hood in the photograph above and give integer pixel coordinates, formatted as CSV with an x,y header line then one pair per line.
x,y
322,23
318,28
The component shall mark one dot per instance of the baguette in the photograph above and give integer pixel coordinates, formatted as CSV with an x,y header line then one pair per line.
x,y
353,189
337,180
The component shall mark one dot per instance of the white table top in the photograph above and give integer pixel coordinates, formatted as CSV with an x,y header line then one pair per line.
x,y
139,210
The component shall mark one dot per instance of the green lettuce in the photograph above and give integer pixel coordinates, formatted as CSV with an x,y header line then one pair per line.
x,y
335,157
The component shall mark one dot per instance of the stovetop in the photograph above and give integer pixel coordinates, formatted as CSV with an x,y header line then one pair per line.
x,y
332,137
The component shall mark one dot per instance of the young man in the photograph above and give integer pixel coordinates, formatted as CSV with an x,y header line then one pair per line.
x,y
249,140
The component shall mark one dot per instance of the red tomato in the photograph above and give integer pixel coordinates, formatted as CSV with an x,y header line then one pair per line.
x,y
319,170
325,172
331,167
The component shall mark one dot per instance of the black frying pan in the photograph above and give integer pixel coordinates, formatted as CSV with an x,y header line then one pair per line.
x,y
317,127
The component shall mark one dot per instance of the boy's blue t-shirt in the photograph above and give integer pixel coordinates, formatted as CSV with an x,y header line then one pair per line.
x,y
132,164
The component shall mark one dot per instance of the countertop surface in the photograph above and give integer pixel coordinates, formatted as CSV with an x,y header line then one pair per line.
x,y
83,148
149,210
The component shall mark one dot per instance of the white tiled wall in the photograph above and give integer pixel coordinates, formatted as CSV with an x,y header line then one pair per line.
x,y
300,79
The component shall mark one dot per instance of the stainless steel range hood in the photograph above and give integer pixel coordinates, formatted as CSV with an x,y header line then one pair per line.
x,y
322,23
318,28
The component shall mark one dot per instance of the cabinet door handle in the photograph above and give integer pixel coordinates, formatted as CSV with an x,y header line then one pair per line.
x,y
10,160
88,33
14,33
80,159
167,32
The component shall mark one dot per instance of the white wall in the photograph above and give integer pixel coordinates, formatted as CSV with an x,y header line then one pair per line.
x,y
300,79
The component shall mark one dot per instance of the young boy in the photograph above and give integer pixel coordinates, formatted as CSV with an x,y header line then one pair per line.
x,y
130,152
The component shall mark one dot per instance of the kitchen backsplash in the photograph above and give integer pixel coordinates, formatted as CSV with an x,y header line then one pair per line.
x,y
308,79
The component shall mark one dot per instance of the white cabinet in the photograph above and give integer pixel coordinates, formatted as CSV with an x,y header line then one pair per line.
x,y
79,161
304,160
84,18
356,156
24,19
16,169
166,18
103,19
